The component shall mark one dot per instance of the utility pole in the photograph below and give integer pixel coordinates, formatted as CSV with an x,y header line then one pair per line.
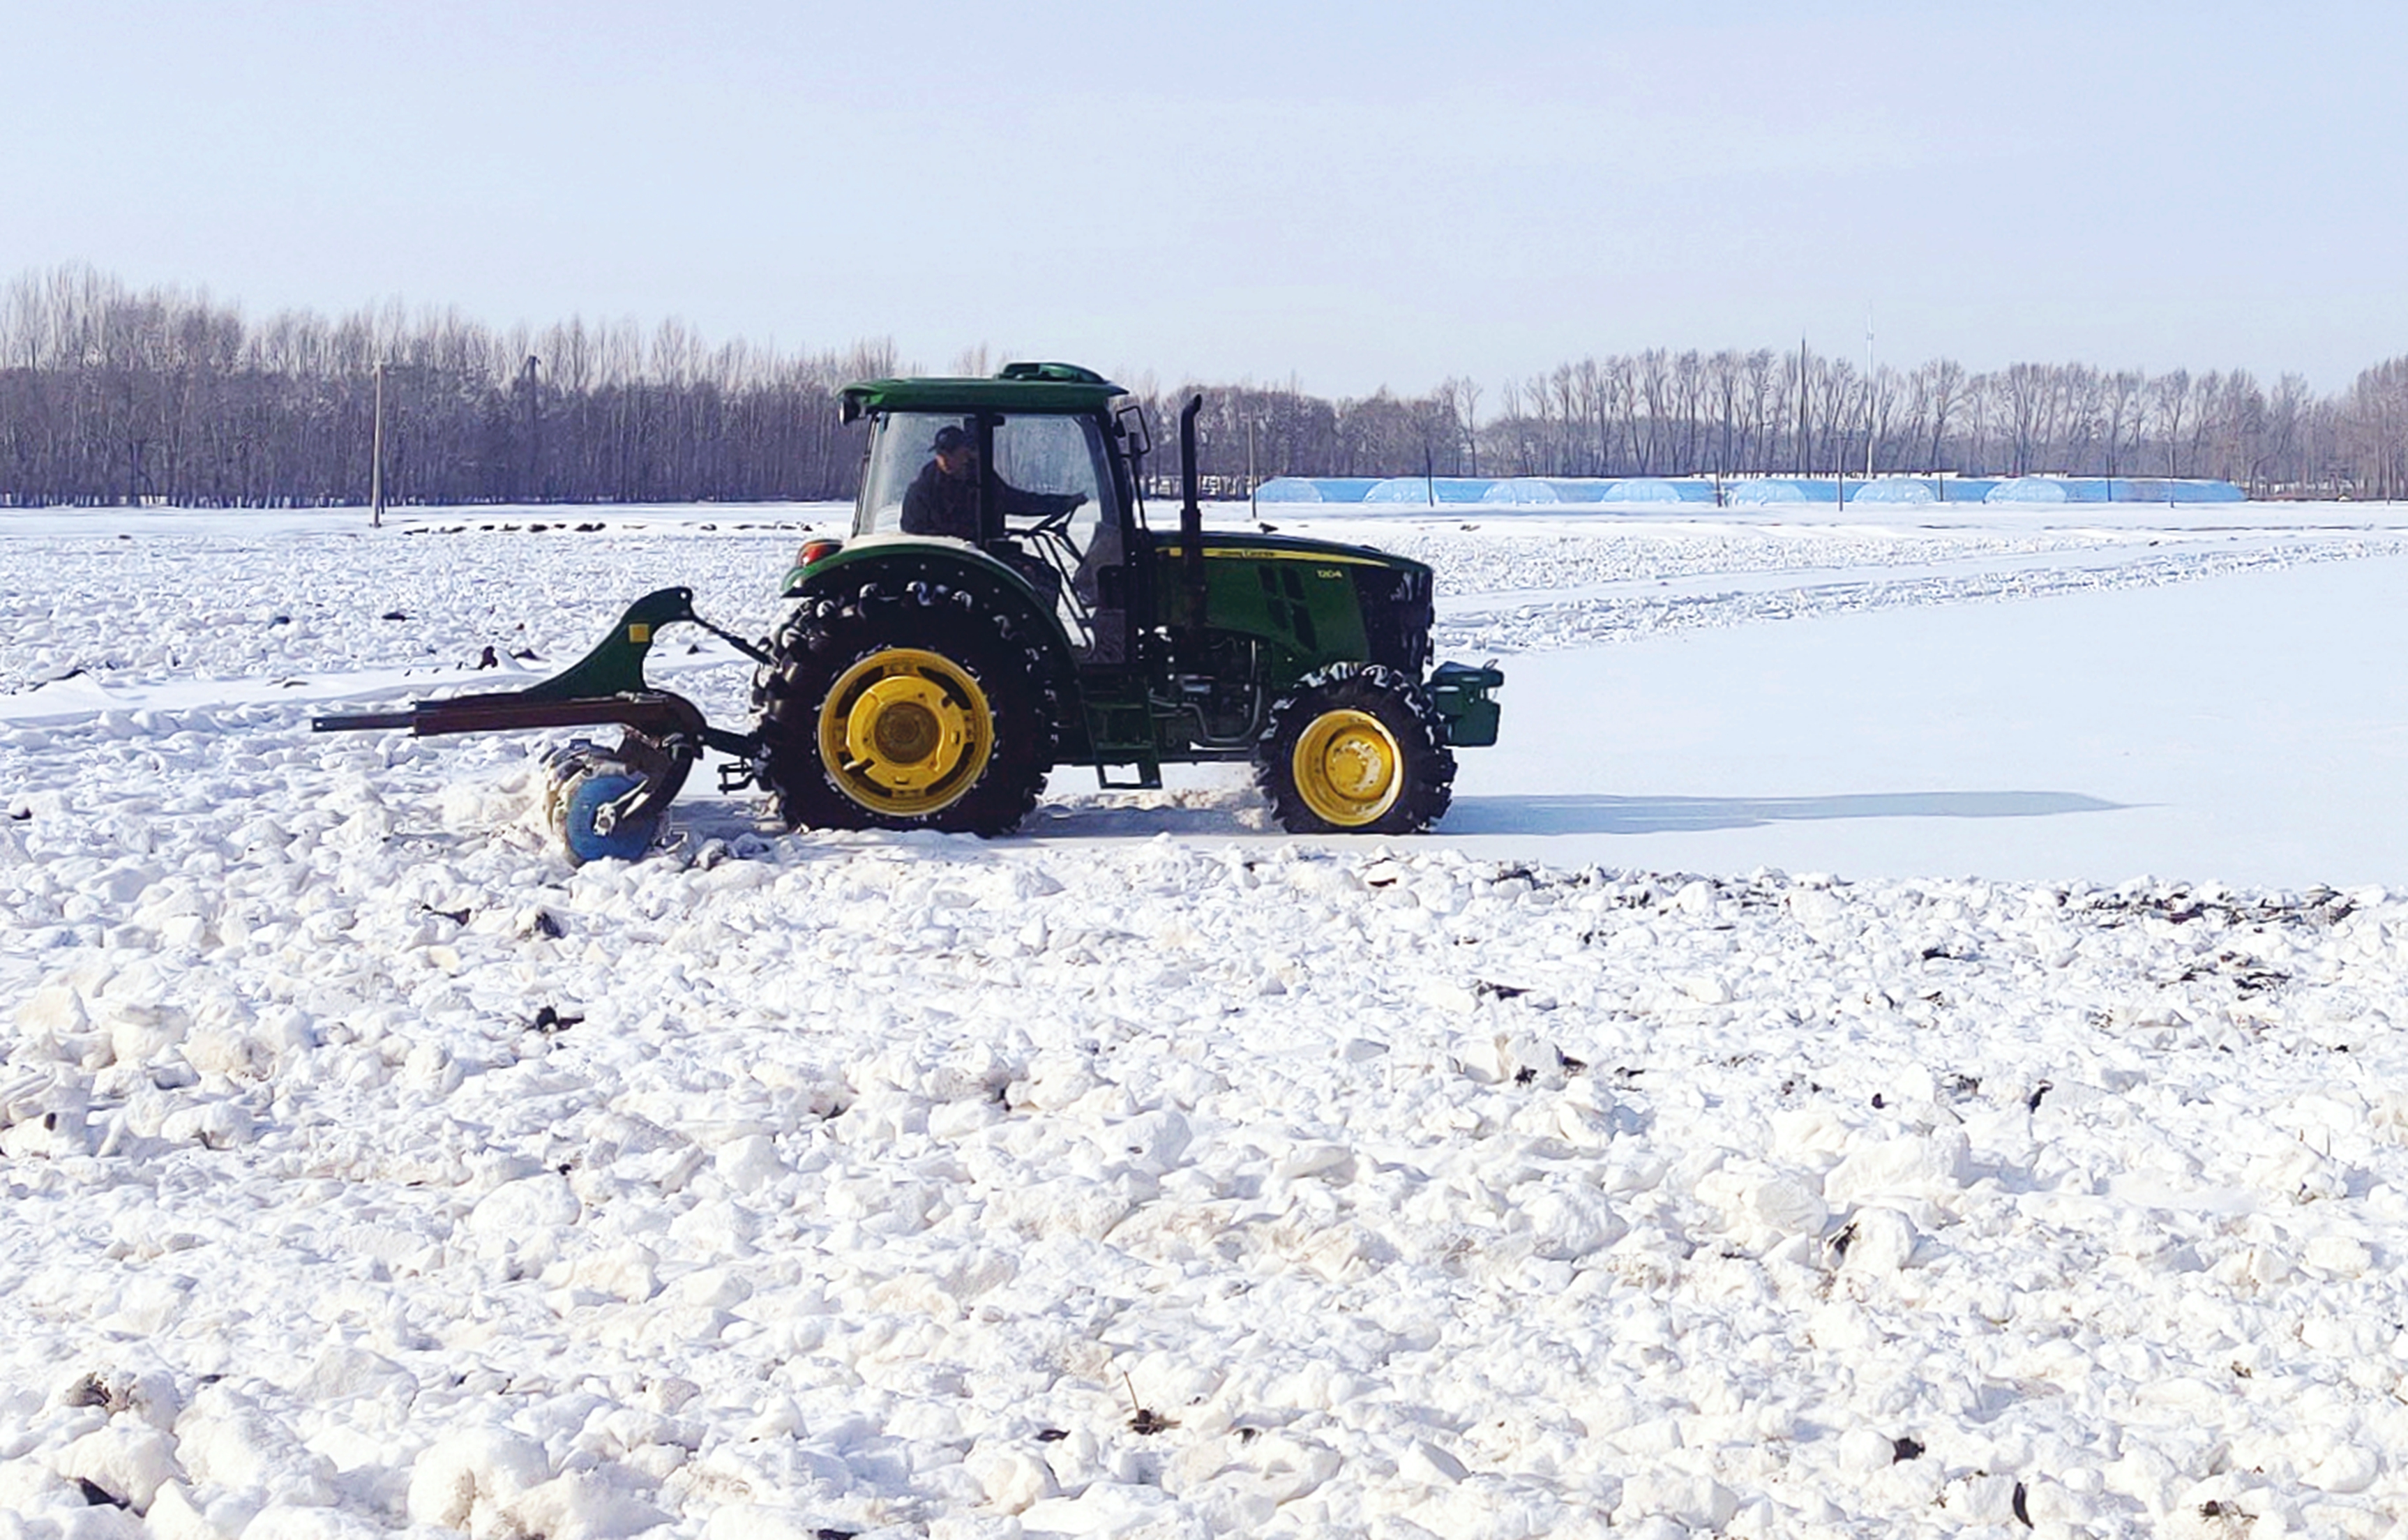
x,y
1869,392
534,431
1253,509
376,456
1802,406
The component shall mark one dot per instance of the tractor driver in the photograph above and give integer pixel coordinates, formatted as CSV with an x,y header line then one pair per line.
x,y
943,499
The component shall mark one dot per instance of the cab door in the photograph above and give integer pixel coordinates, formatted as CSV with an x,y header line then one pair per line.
x,y
1078,553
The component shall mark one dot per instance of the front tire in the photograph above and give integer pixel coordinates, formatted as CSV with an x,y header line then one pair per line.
x,y
914,709
1356,748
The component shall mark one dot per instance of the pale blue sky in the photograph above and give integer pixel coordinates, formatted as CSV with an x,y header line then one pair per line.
x,y
1353,195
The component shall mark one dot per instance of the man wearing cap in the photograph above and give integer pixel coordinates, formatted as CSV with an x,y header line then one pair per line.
x,y
943,499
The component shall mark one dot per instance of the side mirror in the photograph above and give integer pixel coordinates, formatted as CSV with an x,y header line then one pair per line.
x,y
1131,419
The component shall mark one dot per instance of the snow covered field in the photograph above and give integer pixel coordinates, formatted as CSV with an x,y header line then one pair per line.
x,y
2043,1162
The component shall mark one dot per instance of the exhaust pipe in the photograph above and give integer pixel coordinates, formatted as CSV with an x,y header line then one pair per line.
x,y
1190,522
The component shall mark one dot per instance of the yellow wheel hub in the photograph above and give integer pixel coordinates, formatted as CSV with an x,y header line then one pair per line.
x,y
906,731
1348,767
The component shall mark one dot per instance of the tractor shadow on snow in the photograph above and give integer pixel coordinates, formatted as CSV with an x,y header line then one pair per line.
x,y
1208,812
1581,814
1219,811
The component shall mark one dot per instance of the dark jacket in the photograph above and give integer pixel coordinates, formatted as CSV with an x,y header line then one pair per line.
x,y
936,504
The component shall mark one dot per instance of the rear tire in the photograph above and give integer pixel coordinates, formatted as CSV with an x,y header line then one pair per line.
x,y
1356,748
917,708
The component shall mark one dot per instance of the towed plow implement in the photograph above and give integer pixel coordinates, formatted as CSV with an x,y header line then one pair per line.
x,y
604,801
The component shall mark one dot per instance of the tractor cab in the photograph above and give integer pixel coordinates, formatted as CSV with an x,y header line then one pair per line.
x,y
1026,467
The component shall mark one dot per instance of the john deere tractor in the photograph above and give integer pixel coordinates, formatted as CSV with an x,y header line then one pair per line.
x,y
1003,607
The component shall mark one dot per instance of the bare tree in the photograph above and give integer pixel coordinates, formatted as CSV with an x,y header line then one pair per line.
x,y
2028,400
2288,417
2122,397
2169,415
1939,388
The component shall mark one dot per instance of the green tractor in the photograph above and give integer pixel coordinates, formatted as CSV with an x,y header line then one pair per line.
x,y
1001,608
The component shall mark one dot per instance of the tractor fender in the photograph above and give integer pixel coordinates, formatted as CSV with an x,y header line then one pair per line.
x,y
894,565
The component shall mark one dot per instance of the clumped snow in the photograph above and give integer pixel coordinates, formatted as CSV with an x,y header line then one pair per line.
x,y
369,1169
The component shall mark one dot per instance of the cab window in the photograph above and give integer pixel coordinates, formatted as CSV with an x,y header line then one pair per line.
x,y
1052,458
903,446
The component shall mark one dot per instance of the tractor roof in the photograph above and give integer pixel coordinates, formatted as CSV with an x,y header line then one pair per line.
x,y
1056,388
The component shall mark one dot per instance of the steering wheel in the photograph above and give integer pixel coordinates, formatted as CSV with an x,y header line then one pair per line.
x,y
1059,523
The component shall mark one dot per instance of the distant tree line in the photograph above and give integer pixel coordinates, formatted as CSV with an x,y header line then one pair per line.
x,y
1759,413
114,397
109,396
